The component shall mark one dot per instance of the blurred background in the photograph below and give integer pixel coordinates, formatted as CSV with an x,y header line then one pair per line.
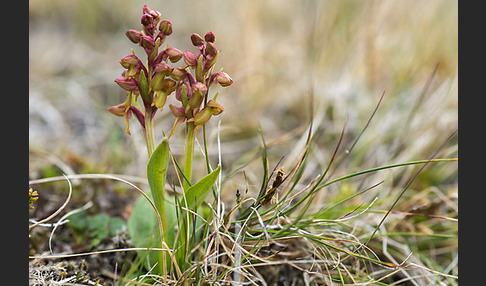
x,y
345,54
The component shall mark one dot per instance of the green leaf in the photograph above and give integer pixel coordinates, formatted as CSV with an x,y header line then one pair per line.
x,y
200,190
144,229
97,227
156,174
142,224
115,224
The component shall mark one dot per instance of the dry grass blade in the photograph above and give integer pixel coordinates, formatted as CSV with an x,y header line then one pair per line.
x,y
59,210
61,220
56,256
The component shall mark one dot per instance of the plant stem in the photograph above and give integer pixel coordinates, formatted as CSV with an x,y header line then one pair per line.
x,y
149,131
190,138
185,222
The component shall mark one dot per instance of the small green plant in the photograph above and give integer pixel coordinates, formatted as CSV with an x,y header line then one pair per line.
x,y
98,227
33,196
153,82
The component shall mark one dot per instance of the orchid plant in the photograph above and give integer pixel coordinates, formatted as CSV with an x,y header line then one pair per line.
x,y
153,82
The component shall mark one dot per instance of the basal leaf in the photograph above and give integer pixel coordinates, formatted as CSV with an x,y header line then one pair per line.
x,y
144,230
200,190
156,174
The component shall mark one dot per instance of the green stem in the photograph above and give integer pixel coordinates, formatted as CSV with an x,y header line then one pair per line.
x,y
156,175
190,138
185,222
149,131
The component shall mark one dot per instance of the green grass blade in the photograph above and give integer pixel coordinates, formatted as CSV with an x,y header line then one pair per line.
x,y
355,174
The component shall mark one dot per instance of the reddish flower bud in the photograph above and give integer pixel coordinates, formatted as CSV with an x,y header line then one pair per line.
x,y
130,60
132,64
197,40
178,111
147,42
190,78
133,36
209,37
183,91
147,20
190,58
169,85
178,73
163,68
147,10
210,61
118,110
199,91
200,87
211,49
165,27
127,83
156,15
174,54
222,78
